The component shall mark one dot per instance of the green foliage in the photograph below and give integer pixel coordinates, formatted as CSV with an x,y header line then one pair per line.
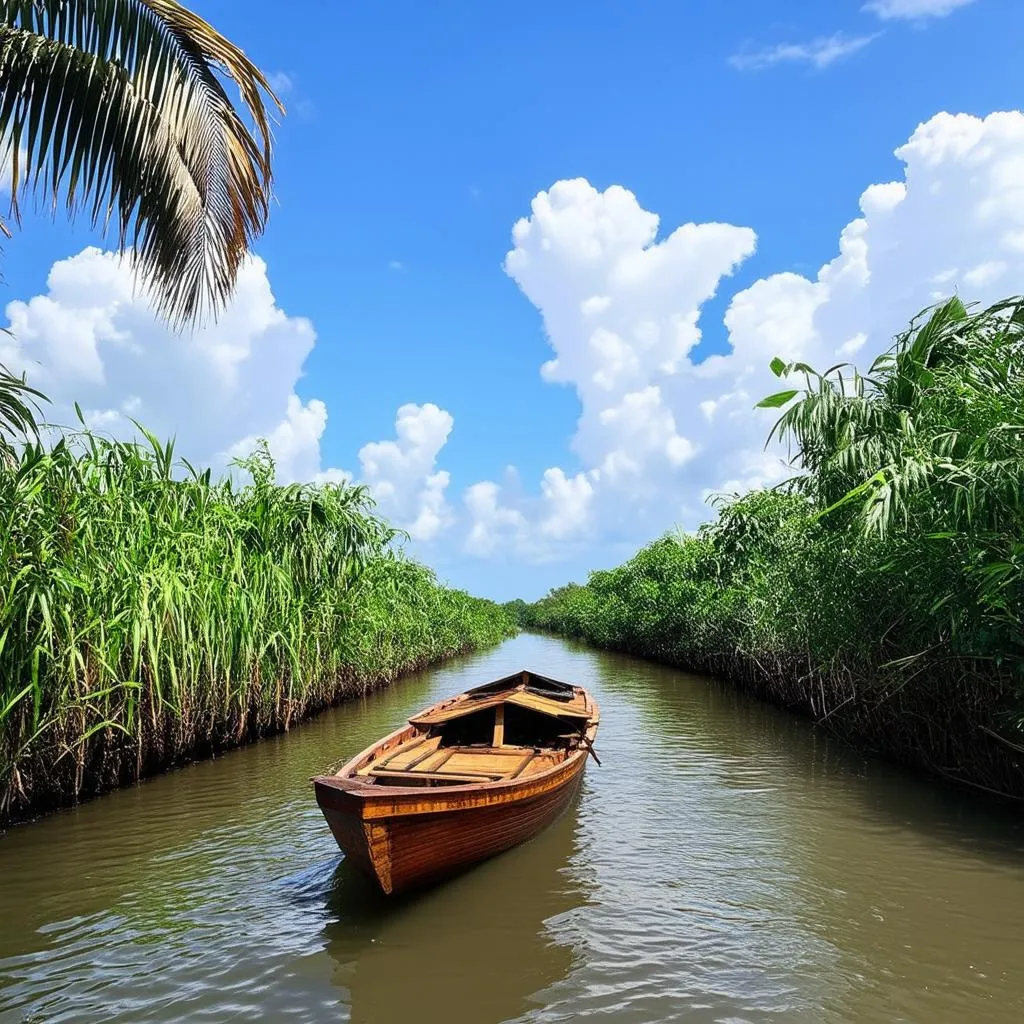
x,y
17,413
925,455
517,610
147,615
895,559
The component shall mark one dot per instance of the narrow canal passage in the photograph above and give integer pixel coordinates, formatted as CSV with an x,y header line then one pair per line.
x,y
727,863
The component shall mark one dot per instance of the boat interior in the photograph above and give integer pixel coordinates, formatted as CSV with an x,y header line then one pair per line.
x,y
512,728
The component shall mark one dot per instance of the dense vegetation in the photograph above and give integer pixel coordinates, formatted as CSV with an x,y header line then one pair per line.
x,y
150,613
882,589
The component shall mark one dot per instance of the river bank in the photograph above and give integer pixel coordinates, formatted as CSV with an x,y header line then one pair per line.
x,y
162,751
959,740
151,615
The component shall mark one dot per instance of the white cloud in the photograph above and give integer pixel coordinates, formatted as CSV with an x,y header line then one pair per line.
x,y
492,524
658,432
953,225
914,9
402,474
826,50
92,337
819,53
620,308
568,500
294,443
396,265
280,82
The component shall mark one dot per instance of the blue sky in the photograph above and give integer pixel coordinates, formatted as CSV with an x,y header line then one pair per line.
x,y
418,134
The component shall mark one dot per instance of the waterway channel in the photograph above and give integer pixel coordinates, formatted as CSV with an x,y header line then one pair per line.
x,y
727,862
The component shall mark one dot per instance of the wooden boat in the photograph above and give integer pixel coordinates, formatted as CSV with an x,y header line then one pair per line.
x,y
465,779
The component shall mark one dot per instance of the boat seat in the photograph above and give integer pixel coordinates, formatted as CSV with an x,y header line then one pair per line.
x,y
522,764
412,776
423,761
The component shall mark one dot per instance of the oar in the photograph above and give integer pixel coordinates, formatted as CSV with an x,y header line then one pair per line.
x,y
581,738
589,744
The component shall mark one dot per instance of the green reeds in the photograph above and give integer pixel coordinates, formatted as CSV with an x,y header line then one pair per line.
x,y
148,616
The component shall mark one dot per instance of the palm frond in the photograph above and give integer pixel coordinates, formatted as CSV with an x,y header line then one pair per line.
x,y
17,412
116,109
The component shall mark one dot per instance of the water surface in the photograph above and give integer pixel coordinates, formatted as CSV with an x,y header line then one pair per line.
x,y
727,863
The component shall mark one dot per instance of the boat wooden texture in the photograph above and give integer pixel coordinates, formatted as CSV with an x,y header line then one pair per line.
x,y
463,780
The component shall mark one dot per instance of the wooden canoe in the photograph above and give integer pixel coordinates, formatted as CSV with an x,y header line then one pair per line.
x,y
463,780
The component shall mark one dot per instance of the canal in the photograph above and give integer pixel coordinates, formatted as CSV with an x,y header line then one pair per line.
x,y
727,863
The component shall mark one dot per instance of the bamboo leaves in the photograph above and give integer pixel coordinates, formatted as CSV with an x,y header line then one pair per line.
x,y
777,400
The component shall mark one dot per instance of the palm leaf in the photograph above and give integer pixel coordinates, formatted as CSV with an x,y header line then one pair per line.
x,y
17,411
116,109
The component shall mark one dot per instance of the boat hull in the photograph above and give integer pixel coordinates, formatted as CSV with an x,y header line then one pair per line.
x,y
404,839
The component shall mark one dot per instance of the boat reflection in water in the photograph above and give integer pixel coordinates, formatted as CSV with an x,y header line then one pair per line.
x,y
478,947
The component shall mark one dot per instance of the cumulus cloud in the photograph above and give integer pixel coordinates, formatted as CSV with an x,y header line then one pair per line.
x,y
659,431
504,523
954,224
93,338
620,308
914,9
819,53
403,475
568,500
493,525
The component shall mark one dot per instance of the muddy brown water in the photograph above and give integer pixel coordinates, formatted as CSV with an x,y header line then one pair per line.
x,y
727,863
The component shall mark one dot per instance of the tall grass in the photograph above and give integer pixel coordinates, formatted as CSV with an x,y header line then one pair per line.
x,y
882,589
150,613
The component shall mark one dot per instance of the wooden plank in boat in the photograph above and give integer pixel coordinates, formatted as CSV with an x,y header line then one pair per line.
x,y
522,764
409,752
577,708
443,776
432,763
404,755
490,762
458,709
423,757
546,706
479,763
